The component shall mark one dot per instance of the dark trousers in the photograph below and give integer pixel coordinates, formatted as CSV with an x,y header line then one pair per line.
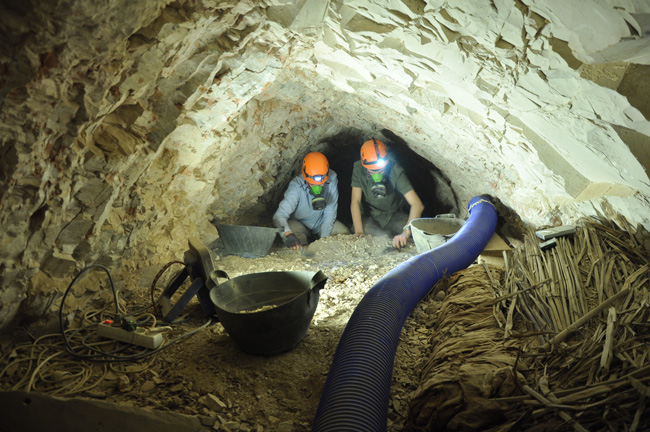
x,y
395,225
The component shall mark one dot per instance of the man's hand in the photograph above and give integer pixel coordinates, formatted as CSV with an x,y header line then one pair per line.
x,y
292,241
359,234
400,240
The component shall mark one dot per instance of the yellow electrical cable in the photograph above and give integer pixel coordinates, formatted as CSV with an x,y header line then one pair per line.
x,y
86,374
149,315
31,380
73,378
25,375
40,370
99,381
94,312
15,362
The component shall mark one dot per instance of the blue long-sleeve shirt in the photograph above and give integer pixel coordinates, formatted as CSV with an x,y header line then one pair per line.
x,y
296,204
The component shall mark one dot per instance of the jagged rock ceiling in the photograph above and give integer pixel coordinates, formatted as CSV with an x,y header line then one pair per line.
x,y
126,125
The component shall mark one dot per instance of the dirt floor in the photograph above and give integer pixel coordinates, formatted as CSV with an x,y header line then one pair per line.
x,y
208,376
282,392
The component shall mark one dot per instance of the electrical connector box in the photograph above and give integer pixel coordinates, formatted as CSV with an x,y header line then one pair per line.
x,y
548,244
131,337
547,234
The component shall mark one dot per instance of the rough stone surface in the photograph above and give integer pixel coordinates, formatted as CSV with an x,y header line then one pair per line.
x,y
127,125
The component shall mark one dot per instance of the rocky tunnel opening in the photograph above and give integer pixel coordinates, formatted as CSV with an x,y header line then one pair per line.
x,y
342,150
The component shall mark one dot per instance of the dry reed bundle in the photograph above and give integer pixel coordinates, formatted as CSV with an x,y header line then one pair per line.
x,y
564,346
469,363
586,302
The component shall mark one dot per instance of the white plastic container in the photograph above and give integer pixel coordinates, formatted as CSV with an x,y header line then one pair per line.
x,y
429,233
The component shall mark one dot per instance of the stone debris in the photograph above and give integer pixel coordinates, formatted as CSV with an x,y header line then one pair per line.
x,y
148,386
213,403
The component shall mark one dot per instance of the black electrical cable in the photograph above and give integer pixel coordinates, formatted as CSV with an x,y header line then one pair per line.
x,y
108,356
154,304
68,347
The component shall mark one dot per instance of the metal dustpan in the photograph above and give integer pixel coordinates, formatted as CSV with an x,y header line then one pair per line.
x,y
246,241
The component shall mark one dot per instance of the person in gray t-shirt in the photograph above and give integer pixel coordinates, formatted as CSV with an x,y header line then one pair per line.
x,y
379,188
308,209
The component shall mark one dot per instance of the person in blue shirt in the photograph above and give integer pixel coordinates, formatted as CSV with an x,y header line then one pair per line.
x,y
308,209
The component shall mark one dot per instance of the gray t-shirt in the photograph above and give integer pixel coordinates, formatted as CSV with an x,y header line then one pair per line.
x,y
397,185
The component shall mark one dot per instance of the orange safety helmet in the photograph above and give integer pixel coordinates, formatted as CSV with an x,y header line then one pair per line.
x,y
315,168
374,155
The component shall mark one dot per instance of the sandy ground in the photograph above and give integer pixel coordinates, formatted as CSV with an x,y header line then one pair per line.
x,y
207,375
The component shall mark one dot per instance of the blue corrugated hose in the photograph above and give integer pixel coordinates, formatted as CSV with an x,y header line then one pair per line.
x,y
357,390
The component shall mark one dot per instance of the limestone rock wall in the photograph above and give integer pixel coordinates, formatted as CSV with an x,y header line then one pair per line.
x,y
127,125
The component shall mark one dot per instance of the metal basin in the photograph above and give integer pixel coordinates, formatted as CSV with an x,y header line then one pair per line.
x,y
268,313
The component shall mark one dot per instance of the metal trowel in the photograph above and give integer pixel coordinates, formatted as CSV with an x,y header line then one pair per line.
x,y
304,252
